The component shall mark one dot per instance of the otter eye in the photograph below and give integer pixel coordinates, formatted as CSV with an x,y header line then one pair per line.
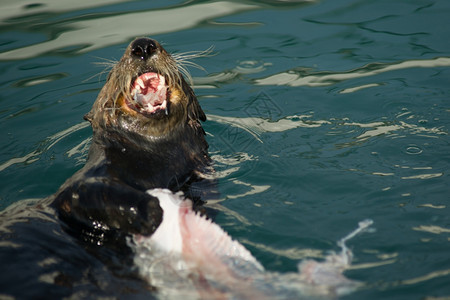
x,y
143,48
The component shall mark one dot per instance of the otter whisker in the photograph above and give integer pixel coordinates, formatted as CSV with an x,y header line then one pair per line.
x,y
173,77
194,54
183,61
185,72
108,65
186,64
109,60
106,70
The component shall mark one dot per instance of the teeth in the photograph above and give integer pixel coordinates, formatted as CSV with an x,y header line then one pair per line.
x,y
140,83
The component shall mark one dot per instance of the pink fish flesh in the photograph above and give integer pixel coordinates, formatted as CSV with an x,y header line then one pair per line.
x,y
149,93
191,257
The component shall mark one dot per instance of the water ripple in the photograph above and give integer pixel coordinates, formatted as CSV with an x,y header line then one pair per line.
x,y
324,78
48,144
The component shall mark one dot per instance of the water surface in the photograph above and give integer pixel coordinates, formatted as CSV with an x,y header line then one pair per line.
x,y
321,114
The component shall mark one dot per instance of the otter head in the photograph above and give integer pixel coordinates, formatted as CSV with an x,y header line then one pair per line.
x,y
145,94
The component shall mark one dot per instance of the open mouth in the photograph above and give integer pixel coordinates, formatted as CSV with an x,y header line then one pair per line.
x,y
149,94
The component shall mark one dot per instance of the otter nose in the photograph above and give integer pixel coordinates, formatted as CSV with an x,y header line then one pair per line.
x,y
143,48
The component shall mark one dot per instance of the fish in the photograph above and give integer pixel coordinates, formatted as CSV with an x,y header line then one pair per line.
x,y
192,257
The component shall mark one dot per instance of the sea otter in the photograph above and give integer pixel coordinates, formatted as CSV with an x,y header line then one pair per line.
x,y
146,134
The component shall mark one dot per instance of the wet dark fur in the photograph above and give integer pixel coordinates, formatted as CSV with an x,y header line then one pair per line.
x,y
106,201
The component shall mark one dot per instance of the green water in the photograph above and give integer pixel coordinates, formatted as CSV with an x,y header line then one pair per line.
x,y
321,114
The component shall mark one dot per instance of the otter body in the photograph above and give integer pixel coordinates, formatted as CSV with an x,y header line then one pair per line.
x,y
146,134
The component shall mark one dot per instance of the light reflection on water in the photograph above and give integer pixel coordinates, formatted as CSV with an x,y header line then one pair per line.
x,y
89,35
290,78
319,114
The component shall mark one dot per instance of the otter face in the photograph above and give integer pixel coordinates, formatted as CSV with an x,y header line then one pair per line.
x,y
145,93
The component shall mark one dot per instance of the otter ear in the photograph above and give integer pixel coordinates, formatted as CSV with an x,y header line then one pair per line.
x,y
195,112
88,116
199,114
